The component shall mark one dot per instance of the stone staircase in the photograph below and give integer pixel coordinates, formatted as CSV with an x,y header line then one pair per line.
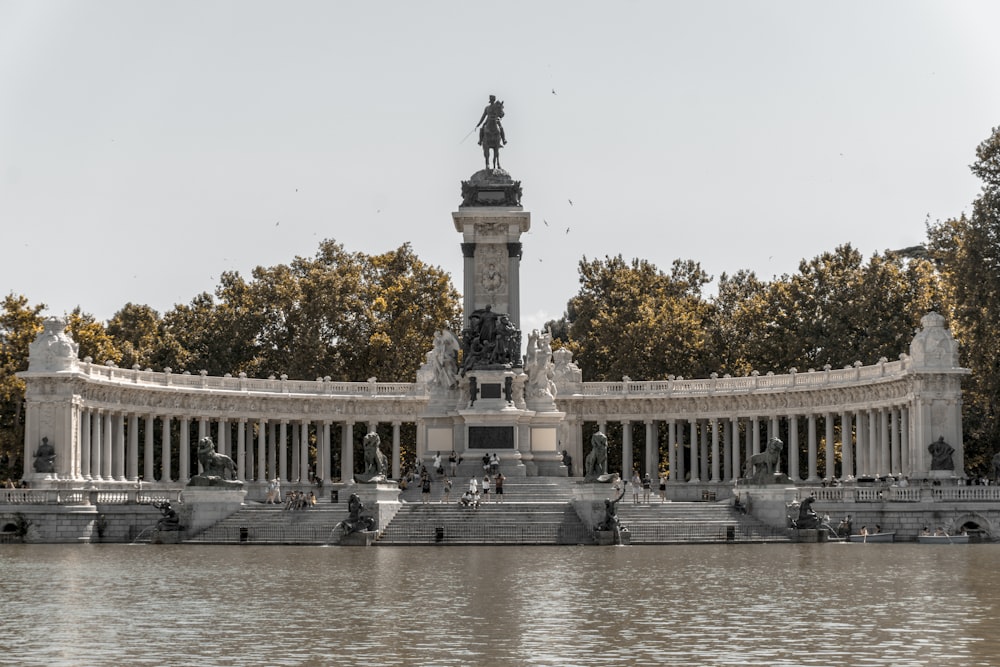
x,y
693,522
536,510
269,524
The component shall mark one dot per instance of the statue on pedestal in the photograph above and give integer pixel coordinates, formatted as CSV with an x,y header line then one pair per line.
x,y
941,453
45,457
761,468
376,463
216,469
169,521
491,132
355,523
596,464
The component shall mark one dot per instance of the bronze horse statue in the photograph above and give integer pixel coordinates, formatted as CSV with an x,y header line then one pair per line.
x,y
491,135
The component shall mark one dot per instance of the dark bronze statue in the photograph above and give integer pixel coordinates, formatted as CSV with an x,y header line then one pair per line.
x,y
45,457
596,464
611,521
807,515
355,522
216,469
169,521
941,453
491,132
490,341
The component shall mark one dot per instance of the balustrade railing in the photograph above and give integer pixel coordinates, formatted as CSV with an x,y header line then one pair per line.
x,y
87,496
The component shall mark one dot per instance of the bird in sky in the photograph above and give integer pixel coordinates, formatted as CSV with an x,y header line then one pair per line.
x,y
567,230
545,221
570,201
553,91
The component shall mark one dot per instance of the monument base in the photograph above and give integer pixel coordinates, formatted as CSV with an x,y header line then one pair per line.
x,y
204,506
362,538
808,535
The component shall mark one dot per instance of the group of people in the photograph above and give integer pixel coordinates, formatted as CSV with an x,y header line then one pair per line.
x,y
642,487
472,496
299,500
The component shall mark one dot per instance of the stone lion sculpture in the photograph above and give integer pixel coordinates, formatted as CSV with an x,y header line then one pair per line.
x,y
376,464
216,469
761,467
596,463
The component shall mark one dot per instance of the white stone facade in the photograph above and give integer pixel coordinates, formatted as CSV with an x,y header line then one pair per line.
x,y
92,414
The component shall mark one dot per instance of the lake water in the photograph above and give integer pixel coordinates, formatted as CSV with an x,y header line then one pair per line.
x,y
777,604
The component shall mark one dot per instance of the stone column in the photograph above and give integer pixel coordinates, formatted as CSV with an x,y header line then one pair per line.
x,y
897,468
514,283
203,429
885,463
672,450
830,469
96,444
811,436
715,449
734,422
262,450
727,455
846,448
149,472
282,449
85,433
293,464
184,476
874,458
304,451
793,448
860,444
241,449
652,449
755,435
703,449
327,468
165,449
133,447
748,437
347,452
904,440
107,456
223,428
693,429
627,464
395,450
468,287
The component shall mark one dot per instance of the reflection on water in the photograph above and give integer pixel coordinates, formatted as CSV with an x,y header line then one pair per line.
x,y
903,604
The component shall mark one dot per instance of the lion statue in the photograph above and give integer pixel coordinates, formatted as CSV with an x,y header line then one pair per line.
x,y
596,463
376,464
216,469
761,467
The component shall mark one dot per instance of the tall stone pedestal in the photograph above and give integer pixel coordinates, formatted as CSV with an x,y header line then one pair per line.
x,y
203,507
380,500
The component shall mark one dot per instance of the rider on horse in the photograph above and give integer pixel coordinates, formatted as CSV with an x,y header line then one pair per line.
x,y
493,110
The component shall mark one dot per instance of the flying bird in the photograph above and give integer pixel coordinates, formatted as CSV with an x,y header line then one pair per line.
x,y
567,230
545,221
553,91
570,201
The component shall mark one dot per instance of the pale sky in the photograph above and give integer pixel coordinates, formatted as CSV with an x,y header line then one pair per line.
x,y
147,146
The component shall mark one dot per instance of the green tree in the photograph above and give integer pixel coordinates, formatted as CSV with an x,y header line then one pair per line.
x,y
967,253
633,319
92,337
345,315
141,336
19,324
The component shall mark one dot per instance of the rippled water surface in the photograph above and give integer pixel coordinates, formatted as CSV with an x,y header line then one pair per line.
x,y
828,604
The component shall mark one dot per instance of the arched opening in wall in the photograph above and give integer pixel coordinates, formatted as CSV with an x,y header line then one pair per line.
x,y
9,528
976,532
